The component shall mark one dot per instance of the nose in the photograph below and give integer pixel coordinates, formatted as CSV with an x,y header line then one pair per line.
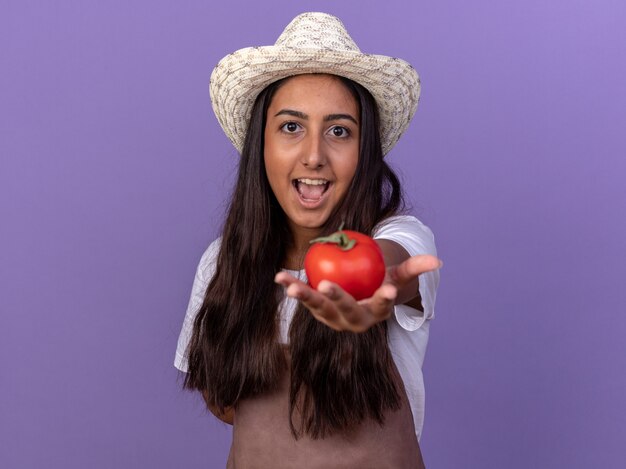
x,y
314,153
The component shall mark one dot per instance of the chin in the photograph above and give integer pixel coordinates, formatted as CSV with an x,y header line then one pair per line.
x,y
309,221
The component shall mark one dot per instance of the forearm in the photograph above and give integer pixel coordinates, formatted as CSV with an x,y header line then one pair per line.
x,y
395,254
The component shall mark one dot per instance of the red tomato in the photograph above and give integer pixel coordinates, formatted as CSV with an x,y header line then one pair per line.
x,y
359,270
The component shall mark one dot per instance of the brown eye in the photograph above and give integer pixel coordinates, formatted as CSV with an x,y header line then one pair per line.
x,y
290,127
339,131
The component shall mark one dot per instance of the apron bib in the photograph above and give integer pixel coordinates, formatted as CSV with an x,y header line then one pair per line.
x,y
262,438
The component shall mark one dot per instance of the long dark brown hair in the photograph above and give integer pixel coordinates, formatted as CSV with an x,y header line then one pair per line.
x,y
338,379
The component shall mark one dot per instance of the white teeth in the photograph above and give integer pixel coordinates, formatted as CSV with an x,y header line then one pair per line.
x,y
313,182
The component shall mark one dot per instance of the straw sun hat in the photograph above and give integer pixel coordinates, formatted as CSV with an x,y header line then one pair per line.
x,y
313,43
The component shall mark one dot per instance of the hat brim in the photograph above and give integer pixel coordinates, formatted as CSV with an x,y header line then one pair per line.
x,y
239,78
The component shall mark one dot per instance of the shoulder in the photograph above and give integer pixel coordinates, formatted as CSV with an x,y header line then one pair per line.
x,y
402,223
206,266
409,232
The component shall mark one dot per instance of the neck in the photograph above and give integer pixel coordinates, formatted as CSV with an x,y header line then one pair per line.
x,y
296,252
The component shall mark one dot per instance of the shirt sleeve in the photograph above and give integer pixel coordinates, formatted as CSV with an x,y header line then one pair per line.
x,y
204,273
416,238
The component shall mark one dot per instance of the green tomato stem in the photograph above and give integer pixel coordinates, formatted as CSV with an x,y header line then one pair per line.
x,y
341,239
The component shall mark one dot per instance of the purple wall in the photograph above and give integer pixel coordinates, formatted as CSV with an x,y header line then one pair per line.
x,y
114,172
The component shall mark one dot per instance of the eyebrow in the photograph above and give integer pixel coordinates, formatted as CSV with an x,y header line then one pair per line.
x,y
302,115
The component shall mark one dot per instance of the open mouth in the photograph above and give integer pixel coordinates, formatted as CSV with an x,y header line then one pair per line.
x,y
311,190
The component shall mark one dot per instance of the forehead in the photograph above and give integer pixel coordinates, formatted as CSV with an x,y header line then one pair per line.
x,y
315,91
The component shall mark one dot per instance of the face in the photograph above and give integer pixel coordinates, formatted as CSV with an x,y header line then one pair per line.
x,y
311,147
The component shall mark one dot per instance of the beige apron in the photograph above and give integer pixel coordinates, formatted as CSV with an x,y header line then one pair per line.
x,y
262,439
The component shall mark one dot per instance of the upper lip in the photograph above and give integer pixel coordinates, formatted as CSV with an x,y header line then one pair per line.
x,y
301,179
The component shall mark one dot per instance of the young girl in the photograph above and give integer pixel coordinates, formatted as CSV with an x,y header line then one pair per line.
x,y
312,378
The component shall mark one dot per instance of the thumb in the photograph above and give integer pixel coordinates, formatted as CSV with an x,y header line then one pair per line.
x,y
412,267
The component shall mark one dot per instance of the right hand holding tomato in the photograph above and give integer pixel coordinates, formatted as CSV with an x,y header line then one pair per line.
x,y
332,305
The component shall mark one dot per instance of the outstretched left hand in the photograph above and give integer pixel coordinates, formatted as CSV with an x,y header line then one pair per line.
x,y
336,308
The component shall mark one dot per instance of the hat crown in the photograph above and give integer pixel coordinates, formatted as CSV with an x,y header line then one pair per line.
x,y
313,43
317,31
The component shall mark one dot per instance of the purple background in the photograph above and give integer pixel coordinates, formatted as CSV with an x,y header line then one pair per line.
x,y
114,173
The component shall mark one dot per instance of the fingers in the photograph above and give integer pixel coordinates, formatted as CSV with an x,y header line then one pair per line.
x,y
329,304
322,307
383,298
312,299
285,279
346,312
343,301
316,302
381,303
412,267
333,306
